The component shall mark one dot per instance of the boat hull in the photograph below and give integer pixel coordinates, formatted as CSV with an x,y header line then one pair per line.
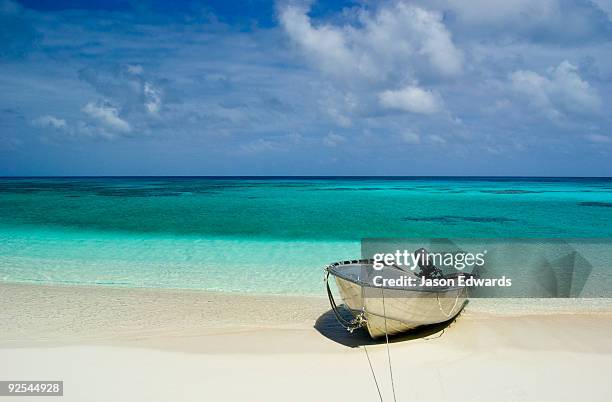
x,y
392,311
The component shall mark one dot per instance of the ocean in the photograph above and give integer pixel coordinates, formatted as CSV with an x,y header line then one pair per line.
x,y
265,235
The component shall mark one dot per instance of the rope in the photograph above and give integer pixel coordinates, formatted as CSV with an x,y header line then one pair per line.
x,y
382,292
348,325
435,337
450,313
373,375
449,325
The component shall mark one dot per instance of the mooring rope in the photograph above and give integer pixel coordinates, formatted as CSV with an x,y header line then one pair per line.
x,y
350,326
382,292
373,374
450,313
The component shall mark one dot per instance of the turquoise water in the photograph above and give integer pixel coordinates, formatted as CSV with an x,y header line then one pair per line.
x,y
269,235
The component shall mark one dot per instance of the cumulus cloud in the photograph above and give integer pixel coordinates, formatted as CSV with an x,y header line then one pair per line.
x,y
421,59
560,91
107,115
373,53
411,99
326,46
131,90
384,45
105,125
50,122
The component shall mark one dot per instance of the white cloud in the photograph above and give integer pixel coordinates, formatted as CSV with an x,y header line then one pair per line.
x,y
395,42
107,115
562,90
83,129
50,121
152,98
373,54
411,99
326,45
127,89
332,140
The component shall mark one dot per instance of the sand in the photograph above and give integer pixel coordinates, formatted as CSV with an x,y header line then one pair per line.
x,y
110,344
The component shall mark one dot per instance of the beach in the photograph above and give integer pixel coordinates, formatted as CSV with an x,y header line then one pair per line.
x,y
118,344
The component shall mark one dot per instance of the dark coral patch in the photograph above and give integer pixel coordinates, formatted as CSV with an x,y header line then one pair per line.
x,y
454,219
595,204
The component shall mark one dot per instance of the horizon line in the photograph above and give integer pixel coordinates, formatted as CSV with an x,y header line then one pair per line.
x,y
300,176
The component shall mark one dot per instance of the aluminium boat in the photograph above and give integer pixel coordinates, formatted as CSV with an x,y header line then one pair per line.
x,y
388,310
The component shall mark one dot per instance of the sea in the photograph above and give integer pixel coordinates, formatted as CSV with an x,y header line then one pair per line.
x,y
265,235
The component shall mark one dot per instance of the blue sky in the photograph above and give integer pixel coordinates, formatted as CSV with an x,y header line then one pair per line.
x,y
438,87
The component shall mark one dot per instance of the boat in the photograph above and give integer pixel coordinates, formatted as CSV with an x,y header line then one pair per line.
x,y
389,310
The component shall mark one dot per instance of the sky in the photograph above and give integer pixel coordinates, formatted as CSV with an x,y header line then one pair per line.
x,y
437,87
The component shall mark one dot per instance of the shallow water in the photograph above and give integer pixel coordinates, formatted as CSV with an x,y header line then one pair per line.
x,y
270,235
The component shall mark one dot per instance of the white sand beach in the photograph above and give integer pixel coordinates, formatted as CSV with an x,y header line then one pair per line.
x,y
110,344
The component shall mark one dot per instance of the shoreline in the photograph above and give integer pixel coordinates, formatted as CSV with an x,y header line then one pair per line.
x,y
73,313
77,285
67,314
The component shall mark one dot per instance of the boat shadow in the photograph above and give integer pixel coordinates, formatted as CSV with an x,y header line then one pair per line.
x,y
328,326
